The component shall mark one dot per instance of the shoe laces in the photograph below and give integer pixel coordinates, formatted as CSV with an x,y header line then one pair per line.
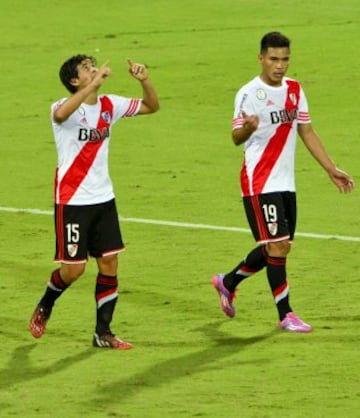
x,y
294,319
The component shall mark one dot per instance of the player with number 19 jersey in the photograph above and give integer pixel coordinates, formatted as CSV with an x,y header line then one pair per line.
x,y
269,153
82,142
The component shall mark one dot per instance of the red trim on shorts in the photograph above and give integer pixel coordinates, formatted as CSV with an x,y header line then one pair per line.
x,y
259,219
61,260
112,252
60,232
278,239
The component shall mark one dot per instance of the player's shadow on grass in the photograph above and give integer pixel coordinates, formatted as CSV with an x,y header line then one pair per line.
x,y
220,346
21,369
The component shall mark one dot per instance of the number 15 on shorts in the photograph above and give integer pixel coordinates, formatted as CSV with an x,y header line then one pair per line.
x,y
73,233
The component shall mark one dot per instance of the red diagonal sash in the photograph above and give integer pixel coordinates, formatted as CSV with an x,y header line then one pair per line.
x,y
85,159
277,142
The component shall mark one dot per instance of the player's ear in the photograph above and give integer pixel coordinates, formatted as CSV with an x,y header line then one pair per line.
x,y
74,82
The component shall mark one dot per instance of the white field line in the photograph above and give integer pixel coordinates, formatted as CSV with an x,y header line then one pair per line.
x,y
188,225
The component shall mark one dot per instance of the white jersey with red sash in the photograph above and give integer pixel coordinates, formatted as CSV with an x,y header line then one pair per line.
x,y
82,143
269,153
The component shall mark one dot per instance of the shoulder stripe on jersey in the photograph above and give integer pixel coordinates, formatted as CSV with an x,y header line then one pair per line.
x,y
304,117
133,107
84,160
237,122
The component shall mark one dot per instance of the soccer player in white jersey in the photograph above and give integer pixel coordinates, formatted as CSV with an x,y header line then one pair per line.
x,y
270,111
86,219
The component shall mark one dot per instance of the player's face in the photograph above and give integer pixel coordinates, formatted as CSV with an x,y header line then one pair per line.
x,y
274,62
86,72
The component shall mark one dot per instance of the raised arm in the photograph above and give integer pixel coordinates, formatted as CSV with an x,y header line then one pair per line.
x,y
313,143
150,102
83,93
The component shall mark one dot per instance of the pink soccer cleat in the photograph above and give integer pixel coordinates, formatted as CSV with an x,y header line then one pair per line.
x,y
226,297
293,323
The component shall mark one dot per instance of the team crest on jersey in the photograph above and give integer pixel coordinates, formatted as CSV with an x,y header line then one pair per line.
x,y
261,94
273,228
293,98
72,249
106,116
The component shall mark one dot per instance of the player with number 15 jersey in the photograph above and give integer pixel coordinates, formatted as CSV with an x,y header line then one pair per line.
x,y
82,142
86,218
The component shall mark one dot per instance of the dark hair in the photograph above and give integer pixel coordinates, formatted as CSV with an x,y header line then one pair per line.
x,y
274,40
68,70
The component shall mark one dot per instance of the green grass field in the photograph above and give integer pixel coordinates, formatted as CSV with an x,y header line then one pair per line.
x,y
179,166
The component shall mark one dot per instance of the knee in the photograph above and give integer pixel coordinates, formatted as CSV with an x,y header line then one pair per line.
x,y
71,272
278,249
108,265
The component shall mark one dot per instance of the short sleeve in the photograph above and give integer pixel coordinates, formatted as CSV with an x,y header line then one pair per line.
x,y
124,107
303,111
56,106
242,104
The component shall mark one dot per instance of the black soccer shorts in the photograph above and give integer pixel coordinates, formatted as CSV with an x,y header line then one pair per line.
x,y
86,230
271,216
